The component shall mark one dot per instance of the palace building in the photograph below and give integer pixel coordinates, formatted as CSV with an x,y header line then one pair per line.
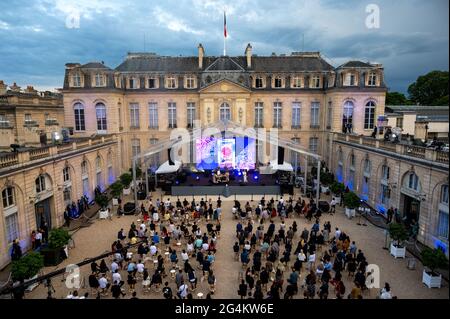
x,y
117,113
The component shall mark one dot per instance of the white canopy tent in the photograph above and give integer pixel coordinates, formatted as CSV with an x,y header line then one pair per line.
x,y
165,168
284,167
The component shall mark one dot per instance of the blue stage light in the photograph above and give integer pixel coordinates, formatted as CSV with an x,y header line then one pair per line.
x,y
255,177
177,182
239,173
197,178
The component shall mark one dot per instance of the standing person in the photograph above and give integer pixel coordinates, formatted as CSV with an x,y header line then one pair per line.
x,y
16,251
333,206
182,291
242,289
390,214
167,291
66,218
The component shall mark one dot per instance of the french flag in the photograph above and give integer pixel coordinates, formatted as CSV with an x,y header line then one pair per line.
x,y
225,24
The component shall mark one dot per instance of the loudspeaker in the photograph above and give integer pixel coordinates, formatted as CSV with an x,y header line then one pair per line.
x,y
280,155
170,159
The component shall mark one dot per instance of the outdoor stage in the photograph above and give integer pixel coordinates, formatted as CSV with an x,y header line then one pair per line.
x,y
200,185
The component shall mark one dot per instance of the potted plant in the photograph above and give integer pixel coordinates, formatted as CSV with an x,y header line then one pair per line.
x,y
351,202
433,259
398,234
102,200
27,268
56,251
126,179
337,189
116,190
326,178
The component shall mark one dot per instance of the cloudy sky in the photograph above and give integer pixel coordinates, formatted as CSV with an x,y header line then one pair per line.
x,y
39,36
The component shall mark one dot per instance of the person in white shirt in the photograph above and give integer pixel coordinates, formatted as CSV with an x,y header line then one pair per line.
x,y
205,247
333,206
337,234
155,217
116,277
143,226
140,267
114,266
190,247
153,249
311,261
386,292
183,291
184,256
167,203
103,283
301,256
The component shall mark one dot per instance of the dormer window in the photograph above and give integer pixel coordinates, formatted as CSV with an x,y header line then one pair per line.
x,y
259,83
99,80
151,82
190,82
296,82
350,79
171,82
278,82
315,82
132,83
372,81
76,80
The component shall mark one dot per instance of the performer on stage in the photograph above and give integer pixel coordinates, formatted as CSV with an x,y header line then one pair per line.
x,y
244,174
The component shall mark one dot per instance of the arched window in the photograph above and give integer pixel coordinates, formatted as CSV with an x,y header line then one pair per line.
x,y
84,168
442,227
98,169
413,182
366,180
100,112
40,184
78,110
369,116
347,118
8,197
225,112
367,167
85,179
98,163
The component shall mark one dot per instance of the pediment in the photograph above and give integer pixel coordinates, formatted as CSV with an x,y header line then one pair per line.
x,y
224,86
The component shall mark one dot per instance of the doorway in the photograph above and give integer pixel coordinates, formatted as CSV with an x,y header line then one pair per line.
x,y
43,214
411,209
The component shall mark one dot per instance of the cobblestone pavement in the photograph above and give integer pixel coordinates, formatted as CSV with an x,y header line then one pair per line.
x,y
97,239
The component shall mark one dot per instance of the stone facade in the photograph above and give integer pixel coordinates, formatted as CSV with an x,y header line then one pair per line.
x,y
417,182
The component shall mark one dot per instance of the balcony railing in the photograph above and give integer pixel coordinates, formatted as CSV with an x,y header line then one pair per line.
x,y
12,159
402,149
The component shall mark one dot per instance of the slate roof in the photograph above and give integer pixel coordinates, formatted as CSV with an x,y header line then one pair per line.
x,y
356,64
94,65
154,63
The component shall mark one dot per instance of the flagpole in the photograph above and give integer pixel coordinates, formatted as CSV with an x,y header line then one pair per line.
x,y
224,46
224,33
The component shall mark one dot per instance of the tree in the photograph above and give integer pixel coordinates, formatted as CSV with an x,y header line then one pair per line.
x,y
397,98
430,89
433,259
351,200
58,238
27,266
126,179
398,233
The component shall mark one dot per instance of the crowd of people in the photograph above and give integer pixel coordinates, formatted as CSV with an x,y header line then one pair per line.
x,y
279,261
174,243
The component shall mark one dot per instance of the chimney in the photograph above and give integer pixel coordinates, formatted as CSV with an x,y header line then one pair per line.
x,y
15,87
30,89
201,54
248,54
2,88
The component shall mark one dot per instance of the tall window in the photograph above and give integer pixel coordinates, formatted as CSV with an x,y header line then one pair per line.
x,y
369,116
340,169
347,117
66,174
351,173
385,192
154,158
76,80
329,115
100,112
259,117
172,115
366,179
8,197
296,82
442,230
171,82
28,119
315,107
134,115
225,112
313,144
98,169
84,168
135,147
372,81
259,83
109,163
78,109
85,179
277,108
399,122
153,115
190,114
99,80
190,82
295,156
296,110
12,227
40,184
